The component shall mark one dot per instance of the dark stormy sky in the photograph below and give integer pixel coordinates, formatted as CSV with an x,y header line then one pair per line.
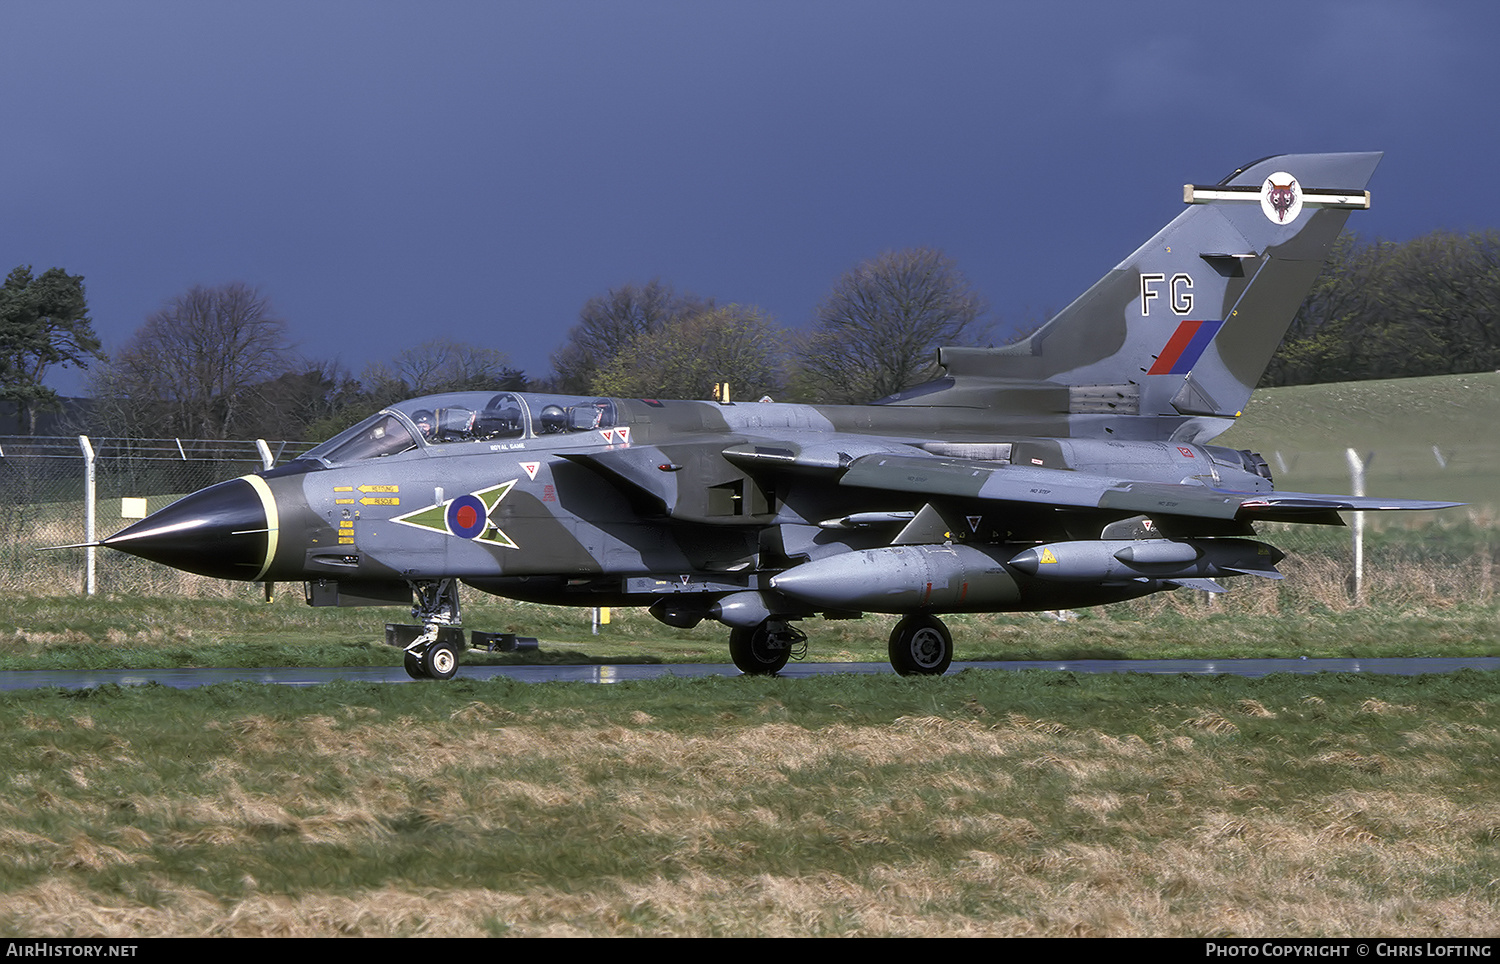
x,y
391,171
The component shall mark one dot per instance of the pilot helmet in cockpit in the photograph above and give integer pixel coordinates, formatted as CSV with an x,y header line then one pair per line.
x,y
554,419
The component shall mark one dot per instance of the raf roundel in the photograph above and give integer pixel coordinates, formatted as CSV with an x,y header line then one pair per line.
x,y
467,517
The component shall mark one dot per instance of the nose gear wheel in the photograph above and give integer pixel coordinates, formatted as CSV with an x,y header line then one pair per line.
x,y
431,655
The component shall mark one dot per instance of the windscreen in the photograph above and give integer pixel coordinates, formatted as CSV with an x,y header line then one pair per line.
x,y
376,437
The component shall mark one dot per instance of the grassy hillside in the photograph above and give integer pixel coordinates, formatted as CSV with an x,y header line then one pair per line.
x,y
1304,430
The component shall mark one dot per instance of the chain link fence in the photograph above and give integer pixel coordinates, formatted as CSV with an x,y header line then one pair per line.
x,y
46,481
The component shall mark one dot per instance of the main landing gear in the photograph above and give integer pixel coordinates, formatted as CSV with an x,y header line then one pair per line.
x,y
920,645
763,650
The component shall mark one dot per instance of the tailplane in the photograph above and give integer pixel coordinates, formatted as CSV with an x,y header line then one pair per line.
x,y
1183,328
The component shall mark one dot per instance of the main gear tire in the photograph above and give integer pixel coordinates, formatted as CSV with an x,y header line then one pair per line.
x,y
921,646
758,651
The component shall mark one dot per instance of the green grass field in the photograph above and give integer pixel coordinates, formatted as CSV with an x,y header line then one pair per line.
x,y
1400,421
982,803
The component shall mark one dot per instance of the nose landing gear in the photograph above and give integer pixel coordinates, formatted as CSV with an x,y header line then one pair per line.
x,y
434,653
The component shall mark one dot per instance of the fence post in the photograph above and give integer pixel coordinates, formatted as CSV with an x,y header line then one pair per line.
x,y
1357,468
88,513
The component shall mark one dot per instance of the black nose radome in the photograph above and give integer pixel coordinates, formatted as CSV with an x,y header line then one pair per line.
x,y
227,531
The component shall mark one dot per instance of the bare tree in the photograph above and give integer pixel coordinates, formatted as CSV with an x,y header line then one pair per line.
x,y
195,368
878,331
607,324
440,365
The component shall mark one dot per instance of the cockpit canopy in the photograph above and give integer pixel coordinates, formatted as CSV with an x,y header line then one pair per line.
x,y
465,417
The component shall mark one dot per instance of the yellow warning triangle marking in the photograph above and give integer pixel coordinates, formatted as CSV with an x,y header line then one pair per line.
x,y
1047,556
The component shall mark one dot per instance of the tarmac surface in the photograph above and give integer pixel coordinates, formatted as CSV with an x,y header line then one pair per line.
x,y
615,673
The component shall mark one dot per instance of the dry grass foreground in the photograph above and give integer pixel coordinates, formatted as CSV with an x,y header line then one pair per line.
x,y
1192,807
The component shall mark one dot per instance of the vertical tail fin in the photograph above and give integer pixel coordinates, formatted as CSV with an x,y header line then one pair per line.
x,y
1184,327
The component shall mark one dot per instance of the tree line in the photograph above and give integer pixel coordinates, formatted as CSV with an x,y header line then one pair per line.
x,y
218,362
876,333
1386,309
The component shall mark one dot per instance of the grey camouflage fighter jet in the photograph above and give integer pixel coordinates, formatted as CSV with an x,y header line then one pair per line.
x,y
1068,470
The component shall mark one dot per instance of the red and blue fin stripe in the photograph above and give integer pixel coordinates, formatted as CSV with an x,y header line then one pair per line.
x,y
1185,347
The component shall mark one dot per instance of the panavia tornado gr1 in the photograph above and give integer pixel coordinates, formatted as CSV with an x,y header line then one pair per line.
x,y
1067,470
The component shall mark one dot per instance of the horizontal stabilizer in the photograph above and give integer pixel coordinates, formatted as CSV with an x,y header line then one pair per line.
x,y
1205,585
1262,573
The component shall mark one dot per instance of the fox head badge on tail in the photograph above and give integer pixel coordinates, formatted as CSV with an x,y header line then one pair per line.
x,y
1070,469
